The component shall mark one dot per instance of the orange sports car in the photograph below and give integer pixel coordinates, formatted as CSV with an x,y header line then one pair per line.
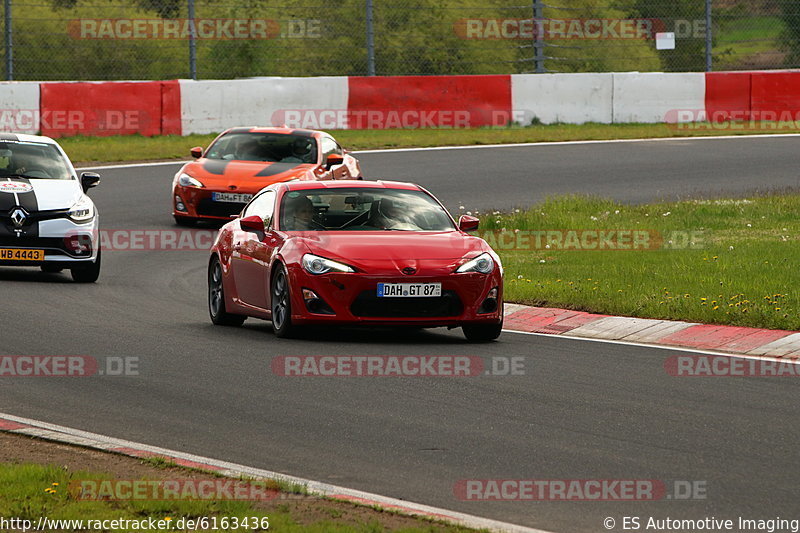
x,y
242,161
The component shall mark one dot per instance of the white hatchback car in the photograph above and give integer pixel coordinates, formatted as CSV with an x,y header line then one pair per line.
x,y
46,218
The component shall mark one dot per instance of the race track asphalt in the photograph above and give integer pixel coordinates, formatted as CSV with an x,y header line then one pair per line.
x,y
581,410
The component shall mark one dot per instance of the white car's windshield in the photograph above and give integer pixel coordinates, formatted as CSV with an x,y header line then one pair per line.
x,y
32,160
362,209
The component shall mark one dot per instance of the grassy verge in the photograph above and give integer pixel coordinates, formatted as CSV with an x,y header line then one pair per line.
x,y
32,490
138,148
730,261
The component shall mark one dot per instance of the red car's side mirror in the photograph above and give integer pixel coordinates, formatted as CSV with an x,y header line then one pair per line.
x,y
468,223
252,223
197,152
333,160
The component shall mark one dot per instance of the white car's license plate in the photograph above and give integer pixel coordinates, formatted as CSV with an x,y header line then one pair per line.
x,y
409,290
232,197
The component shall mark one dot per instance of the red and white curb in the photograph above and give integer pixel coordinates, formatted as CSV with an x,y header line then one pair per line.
x,y
754,342
52,432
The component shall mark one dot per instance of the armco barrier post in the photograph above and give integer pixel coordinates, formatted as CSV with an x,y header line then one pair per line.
x,y
192,41
370,41
8,41
708,36
538,38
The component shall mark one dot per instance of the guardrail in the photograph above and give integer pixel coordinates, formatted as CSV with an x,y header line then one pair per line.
x,y
183,107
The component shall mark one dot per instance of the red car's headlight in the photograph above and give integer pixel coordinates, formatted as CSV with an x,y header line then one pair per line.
x,y
482,264
314,264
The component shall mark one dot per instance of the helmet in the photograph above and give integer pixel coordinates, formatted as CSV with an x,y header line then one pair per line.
x,y
301,146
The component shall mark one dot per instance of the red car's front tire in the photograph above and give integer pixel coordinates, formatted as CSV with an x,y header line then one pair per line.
x,y
281,304
482,332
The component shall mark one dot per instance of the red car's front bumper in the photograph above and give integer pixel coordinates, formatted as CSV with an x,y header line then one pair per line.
x,y
353,299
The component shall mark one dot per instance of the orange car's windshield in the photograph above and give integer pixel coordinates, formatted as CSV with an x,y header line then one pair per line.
x,y
256,146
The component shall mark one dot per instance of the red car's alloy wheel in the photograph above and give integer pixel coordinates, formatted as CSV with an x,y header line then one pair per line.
x,y
281,304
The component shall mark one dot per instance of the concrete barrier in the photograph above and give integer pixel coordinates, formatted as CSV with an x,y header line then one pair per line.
x,y
569,98
212,106
19,107
651,96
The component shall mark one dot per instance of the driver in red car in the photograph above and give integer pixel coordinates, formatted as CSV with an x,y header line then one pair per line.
x,y
300,214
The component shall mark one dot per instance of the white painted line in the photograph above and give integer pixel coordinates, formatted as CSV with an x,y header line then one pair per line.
x,y
658,347
570,143
479,146
134,165
51,431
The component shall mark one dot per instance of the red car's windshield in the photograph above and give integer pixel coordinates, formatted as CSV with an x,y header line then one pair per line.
x,y
255,146
362,209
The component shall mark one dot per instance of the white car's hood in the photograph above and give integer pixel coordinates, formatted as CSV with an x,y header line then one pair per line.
x,y
38,194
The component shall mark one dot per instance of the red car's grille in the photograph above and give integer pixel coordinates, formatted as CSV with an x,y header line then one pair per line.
x,y
367,304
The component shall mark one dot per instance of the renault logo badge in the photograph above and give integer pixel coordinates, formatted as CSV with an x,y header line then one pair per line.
x,y
18,217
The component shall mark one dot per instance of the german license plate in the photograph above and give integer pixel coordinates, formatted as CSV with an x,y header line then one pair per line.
x,y
231,197
17,254
409,290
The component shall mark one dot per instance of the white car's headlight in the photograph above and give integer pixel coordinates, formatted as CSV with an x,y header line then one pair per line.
x,y
82,211
314,264
483,264
185,180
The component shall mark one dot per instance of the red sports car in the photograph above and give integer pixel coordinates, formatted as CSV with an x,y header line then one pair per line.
x,y
354,252
242,161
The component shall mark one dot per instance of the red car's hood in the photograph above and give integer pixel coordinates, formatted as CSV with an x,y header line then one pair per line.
x,y
392,248
245,176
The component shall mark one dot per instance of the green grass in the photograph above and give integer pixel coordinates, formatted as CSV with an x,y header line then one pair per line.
x,y
742,269
28,491
138,148
740,39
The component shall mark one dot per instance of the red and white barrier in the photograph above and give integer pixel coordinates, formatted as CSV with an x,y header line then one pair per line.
x,y
759,96
568,98
19,106
184,106
651,96
110,108
214,105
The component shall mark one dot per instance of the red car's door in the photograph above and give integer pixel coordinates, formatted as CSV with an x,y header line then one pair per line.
x,y
252,253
